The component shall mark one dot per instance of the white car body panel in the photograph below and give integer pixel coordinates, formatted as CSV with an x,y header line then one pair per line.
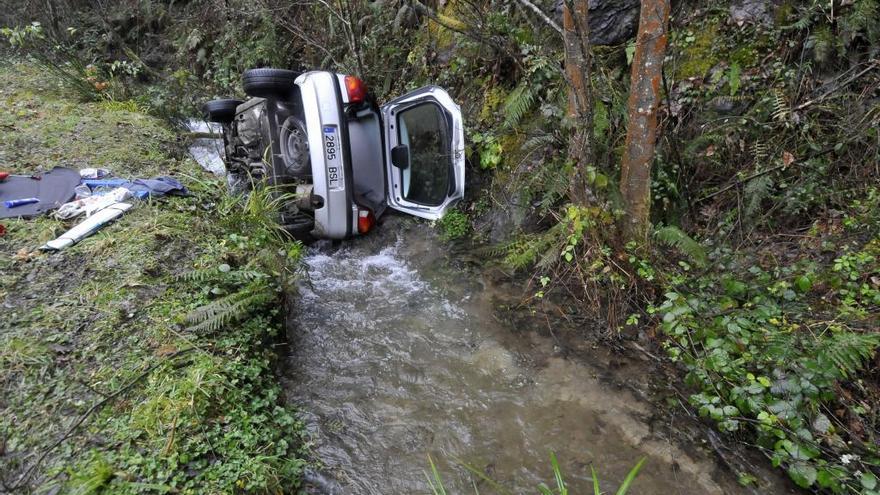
x,y
363,148
321,107
396,200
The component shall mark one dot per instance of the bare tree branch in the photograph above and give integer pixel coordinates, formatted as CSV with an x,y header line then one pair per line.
x,y
547,20
427,12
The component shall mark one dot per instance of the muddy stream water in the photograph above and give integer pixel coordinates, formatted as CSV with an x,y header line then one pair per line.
x,y
396,353
398,350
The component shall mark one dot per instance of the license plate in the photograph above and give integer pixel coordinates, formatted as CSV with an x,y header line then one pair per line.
x,y
332,148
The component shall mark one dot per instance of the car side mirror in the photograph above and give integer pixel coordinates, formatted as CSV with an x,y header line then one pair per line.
x,y
400,156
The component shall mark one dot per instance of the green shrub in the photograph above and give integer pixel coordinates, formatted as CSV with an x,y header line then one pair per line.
x,y
765,362
455,224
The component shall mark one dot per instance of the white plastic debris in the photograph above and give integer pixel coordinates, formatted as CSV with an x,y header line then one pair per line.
x,y
94,173
82,191
87,227
207,152
92,204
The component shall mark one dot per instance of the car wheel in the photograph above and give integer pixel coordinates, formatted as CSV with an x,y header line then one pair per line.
x,y
220,111
269,83
295,147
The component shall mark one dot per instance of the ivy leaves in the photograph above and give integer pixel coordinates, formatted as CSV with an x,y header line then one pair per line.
x,y
743,344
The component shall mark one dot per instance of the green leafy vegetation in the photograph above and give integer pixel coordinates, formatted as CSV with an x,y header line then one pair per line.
x,y
762,274
761,278
770,357
454,225
139,359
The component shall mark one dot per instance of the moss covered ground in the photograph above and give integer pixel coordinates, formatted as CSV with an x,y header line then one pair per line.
x,y
103,388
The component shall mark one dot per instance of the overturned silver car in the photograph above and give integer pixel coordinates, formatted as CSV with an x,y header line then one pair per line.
x,y
322,135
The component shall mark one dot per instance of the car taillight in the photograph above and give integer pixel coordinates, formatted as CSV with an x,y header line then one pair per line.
x,y
357,90
366,221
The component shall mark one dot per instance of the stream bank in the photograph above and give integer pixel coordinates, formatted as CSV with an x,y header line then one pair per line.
x,y
104,386
398,350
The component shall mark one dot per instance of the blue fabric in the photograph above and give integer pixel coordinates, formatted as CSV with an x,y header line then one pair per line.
x,y
95,183
141,188
159,186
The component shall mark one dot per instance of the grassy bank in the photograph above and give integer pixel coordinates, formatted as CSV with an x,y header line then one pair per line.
x,y
140,359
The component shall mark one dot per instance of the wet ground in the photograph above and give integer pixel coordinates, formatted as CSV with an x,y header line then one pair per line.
x,y
397,353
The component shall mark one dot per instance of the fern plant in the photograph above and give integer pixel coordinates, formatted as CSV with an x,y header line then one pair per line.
x,y
257,284
231,308
755,192
760,150
679,240
780,107
848,351
248,290
541,250
539,83
539,141
517,104
548,182
223,273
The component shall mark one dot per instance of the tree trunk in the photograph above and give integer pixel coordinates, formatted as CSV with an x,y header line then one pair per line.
x,y
52,13
644,99
576,37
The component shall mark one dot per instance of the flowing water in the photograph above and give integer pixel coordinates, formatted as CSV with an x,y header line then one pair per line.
x,y
396,354
207,152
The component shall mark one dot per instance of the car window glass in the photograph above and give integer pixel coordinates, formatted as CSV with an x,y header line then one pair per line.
x,y
423,128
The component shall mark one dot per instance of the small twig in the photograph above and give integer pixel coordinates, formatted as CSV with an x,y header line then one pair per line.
x,y
547,20
769,170
550,329
201,135
170,442
718,447
874,64
90,388
645,352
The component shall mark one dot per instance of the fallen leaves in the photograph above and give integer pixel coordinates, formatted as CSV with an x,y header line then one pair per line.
x,y
24,255
787,159
165,350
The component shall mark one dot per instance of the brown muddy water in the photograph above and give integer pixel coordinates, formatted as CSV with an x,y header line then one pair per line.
x,y
396,353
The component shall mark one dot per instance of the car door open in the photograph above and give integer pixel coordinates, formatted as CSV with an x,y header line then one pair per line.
x,y
424,152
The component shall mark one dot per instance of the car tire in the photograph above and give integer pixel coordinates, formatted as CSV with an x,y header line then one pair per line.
x,y
299,226
295,148
220,111
269,83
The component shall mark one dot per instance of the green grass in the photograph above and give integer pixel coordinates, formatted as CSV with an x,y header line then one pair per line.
x,y
435,479
103,387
